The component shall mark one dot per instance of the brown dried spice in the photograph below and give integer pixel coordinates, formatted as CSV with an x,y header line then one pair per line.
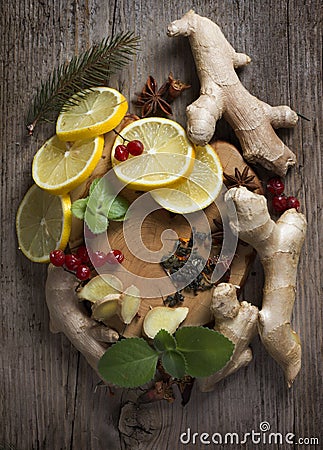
x,y
152,100
241,179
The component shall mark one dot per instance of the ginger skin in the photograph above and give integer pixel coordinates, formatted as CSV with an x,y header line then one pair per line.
x,y
67,316
222,94
278,246
236,321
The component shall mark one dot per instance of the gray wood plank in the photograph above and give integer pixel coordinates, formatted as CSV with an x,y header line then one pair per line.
x,y
49,397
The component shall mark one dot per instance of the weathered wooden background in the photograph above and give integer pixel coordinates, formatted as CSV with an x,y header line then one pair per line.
x,y
49,397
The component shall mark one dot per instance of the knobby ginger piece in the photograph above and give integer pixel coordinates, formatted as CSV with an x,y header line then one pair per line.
x,y
222,94
68,316
236,321
278,246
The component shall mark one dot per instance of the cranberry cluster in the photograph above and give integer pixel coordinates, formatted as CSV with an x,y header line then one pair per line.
x,y
80,261
279,201
134,148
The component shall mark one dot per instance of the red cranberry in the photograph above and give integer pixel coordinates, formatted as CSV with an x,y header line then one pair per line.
x,y
98,258
292,202
83,272
57,258
72,261
121,153
275,186
83,254
115,257
280,203
135,147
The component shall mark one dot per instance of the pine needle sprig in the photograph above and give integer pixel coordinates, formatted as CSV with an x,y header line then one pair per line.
x,y
66,85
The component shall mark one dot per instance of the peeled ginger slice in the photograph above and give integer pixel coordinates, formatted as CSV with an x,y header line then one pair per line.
x,y
163,317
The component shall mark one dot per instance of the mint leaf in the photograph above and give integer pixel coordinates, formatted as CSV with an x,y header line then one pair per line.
x,y
164,341
100,197
95,220
98,206
174,363
103,205
205,351
129,363
118,208
93,185
78,208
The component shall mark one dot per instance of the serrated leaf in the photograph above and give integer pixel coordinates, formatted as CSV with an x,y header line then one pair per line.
x,y
129,363
103,205
78,208
96,222
118,208
164,341
206,351
100,196
93,185
97,207
174,363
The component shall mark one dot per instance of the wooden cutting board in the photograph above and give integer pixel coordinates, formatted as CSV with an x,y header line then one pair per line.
x,y
151,231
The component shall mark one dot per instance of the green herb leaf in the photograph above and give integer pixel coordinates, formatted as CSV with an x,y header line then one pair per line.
x,y
174,363
96,220
206,351
100,196
164,341
78,208
118,208
103,205
129,363
93,185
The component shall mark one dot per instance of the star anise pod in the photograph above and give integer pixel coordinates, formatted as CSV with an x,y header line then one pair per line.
x,y
241,179
150,100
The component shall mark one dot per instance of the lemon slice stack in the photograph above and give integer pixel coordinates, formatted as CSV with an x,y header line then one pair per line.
x,y
43,220
181,178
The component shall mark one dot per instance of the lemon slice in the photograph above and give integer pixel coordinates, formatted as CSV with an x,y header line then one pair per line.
x,y
99,111
43,223
168,154
59,167
199,189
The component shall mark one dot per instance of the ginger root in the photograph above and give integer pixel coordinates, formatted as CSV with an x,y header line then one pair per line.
x,y
222,94
236,321
278,246
67,316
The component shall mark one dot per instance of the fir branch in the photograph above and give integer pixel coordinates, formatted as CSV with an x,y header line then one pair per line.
x,y
91,68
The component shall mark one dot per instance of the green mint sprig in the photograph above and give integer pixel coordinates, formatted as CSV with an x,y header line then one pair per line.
x,y
194,351
100,206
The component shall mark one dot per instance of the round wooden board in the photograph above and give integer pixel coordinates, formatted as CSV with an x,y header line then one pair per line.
x,y
151,231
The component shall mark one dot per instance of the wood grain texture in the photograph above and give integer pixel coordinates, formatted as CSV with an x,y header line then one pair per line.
x,y
49,397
